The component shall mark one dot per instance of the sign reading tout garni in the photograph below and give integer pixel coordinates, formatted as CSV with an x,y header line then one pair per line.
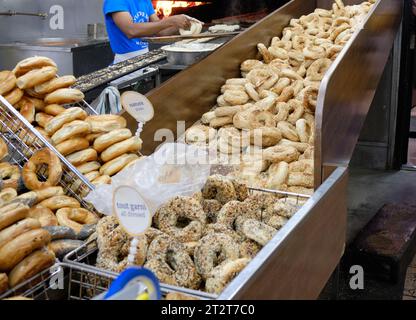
x,y
131,210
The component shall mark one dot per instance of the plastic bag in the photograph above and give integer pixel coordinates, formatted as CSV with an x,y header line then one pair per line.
x,y
175,169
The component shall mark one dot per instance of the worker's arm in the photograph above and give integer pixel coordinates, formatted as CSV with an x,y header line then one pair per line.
x,y
166,32
124,21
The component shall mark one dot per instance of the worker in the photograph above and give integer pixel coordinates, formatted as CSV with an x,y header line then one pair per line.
x,y
129,20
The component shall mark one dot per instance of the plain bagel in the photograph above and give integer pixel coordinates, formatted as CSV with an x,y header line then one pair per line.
x,y
29,64
55,84
35,77
7,81
20,247
31,265
64,96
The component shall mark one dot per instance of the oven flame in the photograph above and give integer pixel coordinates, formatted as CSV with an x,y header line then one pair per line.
x,y
165,8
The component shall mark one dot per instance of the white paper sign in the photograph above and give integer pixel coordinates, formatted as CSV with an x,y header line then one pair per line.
x,y
131,210
138,106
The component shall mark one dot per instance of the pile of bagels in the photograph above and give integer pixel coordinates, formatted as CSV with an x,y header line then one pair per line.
x,y
265,120
227,227
98,145
38,222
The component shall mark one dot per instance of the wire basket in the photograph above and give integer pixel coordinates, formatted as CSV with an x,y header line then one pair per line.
x,y
24,140
86,255
65,281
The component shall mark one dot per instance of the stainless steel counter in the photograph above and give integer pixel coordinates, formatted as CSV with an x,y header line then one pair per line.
x,y
73,56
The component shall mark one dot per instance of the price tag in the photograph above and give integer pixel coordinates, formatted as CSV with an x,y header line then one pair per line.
x,y
138,106
131,210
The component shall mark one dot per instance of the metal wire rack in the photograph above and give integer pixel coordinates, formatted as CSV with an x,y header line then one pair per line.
x,y
24,140
65,281
86,255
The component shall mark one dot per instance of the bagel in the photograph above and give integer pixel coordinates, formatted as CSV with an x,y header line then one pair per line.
x,y
7,81
92,136
221,101
251,91
69,130
62,247
10,176
89,167
48,193
4,283
212,250
101,180
267,56
14,96
43,133
132,144
38,103
42,119
4,149
288,131
207,117
17,229
278,173
259,76
64,96
65,117
218,122
318,68
55,84
236,81
286,94
7,195
27,109
12,213
106,123
106,140
301,147
182,207
29,64
281,153
300,179
296,111
75,218
82,156
171,263
58,202
280,85
236,98
250,64
200,134
20,247
92,175
265,136
31,265
223,274
117,164
303,130
29,172
260,119
72,145
54,109
43,215
35,77
226,87
258,231
194,29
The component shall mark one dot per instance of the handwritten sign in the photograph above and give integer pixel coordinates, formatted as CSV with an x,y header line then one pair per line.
x,y
138,106
131,210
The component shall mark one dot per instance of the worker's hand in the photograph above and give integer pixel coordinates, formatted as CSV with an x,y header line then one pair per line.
x,y
180,21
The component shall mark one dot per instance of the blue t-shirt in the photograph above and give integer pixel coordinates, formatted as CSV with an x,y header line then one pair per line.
x,y
140,11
